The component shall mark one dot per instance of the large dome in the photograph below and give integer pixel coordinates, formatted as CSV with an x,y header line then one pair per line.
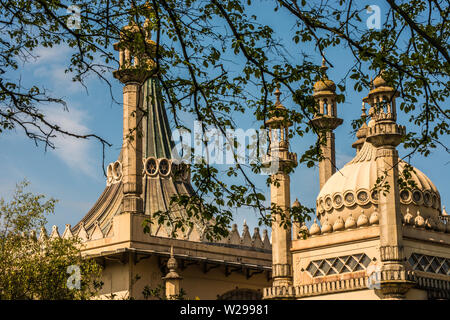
x,y
350,191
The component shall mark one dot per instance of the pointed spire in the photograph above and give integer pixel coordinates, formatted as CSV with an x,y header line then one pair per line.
x,y
67,234
246,238
82,233
266,241
97,232
43,234
55,233
256,239
444,213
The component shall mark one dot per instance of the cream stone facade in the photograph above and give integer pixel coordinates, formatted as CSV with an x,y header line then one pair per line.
x,y
363,244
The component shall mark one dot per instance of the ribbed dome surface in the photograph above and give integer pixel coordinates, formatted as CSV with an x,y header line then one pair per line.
x,y
349,191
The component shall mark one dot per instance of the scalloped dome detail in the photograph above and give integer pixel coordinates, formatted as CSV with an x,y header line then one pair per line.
x,y
350,189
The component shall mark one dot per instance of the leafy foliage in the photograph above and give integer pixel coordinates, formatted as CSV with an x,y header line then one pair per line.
x,y
38,269
218,59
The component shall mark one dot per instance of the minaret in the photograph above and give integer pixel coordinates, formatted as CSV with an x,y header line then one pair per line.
x,y
326,120
385,134
280,193
134,69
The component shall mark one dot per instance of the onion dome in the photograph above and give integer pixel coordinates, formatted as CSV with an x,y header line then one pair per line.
x,y
338,224
350,223
362,221
419,221
374,218
326,227
408,218
324,85
350,189
315,229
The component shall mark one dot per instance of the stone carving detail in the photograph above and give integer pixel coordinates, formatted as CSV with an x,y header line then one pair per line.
x,y
166,168
114,173
391,253
338,265
421,262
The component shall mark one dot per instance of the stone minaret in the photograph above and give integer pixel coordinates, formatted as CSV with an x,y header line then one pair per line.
x,y
326,120
134,69
280,193
385,134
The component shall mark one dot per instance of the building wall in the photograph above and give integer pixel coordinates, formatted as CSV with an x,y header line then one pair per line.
x,y
120,279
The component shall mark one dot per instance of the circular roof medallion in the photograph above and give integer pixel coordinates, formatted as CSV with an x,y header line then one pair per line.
x,y
405,196
338,201
427,200
151,166
362,197
328,203
164,167
417,197
349,198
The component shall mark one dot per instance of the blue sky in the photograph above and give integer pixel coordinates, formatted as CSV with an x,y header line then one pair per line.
x,y
72,173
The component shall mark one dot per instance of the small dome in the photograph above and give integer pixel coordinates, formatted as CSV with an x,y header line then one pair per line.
x,y
338,224
324,85
408,218
326,227
350,223
362,220
419,221
315,229
379,82
350,189
374,218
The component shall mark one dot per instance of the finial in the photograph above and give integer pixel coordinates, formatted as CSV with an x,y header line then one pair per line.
x,y
277,93
324,68
363,115
172,263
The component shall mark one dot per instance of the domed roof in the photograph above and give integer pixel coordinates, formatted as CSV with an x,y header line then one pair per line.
x,y
379,82
324,85
350,189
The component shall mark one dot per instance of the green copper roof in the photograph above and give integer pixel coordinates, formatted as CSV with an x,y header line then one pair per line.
x,y
157,135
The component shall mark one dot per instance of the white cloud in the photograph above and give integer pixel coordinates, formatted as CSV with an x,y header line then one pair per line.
x,y
51,55
75,152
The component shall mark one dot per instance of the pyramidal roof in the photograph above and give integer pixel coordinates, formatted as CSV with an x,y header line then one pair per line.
x,y
157,190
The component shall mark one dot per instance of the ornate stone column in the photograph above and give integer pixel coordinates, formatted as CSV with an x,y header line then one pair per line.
x,y
135,67
385,134
280,194
325,121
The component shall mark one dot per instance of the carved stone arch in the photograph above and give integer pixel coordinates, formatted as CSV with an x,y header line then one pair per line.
x,y
241,294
